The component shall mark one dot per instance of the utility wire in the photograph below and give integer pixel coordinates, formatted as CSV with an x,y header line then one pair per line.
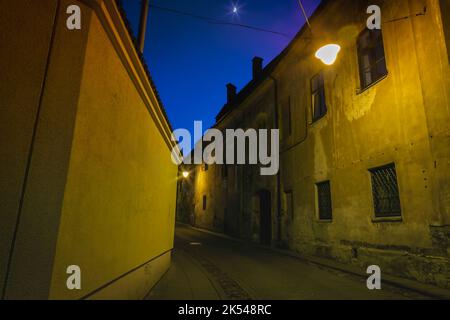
x,y
216,21
304,13
423,13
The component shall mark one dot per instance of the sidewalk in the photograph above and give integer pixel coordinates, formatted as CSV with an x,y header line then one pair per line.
x,y
407,284
184,281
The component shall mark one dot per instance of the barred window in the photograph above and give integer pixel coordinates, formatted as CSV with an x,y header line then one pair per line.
x,y
386,197
324,200
319,108
372,61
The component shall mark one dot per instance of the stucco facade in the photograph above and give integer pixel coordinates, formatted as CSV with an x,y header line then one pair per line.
x,y
85,142
402,119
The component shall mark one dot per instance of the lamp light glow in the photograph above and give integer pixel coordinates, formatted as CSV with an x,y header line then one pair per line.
x,y
328,54
185,174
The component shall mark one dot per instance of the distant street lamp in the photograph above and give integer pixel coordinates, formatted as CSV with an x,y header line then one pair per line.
x,y
328,54
185,174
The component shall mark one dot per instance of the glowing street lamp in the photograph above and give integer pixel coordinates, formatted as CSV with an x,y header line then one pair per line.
x,y
185,174
328,54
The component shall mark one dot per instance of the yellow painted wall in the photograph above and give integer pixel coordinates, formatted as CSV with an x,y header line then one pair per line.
x,y
100,186
403,119
20,68
389,122
119,201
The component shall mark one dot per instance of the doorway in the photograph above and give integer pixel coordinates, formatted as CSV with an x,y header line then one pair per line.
x,y
265,227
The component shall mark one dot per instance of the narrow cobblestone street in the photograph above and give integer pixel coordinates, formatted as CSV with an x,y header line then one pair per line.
x,y
206,266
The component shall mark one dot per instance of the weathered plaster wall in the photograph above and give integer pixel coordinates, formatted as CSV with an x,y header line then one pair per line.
x,y
231,198
393,121
404,118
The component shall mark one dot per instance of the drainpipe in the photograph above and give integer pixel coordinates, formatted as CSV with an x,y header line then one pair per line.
x,y
143,25
277,126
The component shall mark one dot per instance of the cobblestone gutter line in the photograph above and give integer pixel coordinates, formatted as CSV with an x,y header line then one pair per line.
x,y
231,289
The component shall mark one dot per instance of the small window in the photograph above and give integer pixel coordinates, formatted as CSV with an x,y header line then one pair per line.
x,y
372,61
204,202
205,167
324,200
224,171
445,14
319,108
289,204
287,119
386,199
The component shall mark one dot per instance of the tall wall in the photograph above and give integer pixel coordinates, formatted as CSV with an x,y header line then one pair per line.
x,y
404,118
21,68
229,196
101,186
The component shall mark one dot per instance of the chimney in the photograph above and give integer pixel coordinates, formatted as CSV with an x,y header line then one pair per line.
x,y
231,93
257,67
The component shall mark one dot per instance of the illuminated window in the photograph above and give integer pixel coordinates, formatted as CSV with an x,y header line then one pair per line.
x,y
324,200
204,202
386,198
319,108
372,61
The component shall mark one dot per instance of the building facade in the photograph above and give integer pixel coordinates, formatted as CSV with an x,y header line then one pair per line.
x,y
86,173
365,144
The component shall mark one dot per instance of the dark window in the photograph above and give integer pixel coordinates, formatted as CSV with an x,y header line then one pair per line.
x,y
287,119
205,168
445,14
204,202
319,107
224,171
386,198
289,204
372,62
324,200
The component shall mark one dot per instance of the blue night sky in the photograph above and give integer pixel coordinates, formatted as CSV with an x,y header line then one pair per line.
x,y
191,60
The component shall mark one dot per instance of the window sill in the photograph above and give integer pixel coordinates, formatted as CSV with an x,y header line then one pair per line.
x,y
387,219
373,84
324,220
314,121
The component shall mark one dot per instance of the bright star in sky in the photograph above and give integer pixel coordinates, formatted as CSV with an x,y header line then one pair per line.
x,y
235,9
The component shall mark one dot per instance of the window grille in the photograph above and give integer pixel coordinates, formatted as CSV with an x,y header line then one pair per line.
x,y
324,200
386,197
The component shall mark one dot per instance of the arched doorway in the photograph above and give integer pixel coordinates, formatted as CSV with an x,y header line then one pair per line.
x,y
265,210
